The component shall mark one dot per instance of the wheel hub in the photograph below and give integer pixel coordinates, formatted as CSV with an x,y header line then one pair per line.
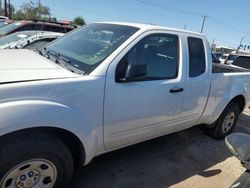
x,y
31,174
27,179
228,122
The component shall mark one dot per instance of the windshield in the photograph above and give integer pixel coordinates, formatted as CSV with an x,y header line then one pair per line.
x,y
88,46
13,38
8,28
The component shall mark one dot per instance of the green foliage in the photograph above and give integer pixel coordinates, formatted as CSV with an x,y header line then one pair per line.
x,y
79,20
32,10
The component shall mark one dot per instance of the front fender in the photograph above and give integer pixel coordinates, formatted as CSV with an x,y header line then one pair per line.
x,y
18,115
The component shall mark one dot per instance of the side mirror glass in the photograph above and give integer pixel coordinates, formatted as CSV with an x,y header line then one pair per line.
x,y
134,72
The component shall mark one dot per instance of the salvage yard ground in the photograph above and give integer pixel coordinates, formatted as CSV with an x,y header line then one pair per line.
x,y
180,160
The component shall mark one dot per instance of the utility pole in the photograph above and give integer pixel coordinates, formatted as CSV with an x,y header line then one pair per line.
x,y
5,8
39,8
203,22
0,7
185,26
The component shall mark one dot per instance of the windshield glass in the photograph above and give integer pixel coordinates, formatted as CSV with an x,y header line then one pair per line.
x,y
88,46
13,38
8,28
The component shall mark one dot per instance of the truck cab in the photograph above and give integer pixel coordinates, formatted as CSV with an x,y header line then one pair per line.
x,y
103,87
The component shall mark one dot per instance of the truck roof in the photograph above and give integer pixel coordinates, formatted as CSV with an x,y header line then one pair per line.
x,y
151,27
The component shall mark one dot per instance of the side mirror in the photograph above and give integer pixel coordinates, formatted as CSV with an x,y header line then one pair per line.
x,y
134,71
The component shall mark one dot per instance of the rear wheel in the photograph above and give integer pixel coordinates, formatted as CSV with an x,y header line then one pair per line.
x,y
34,161
225,123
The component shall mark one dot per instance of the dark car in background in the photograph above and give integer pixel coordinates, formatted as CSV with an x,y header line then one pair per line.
x,y
231,58
34,25
215,59
242,61
218,54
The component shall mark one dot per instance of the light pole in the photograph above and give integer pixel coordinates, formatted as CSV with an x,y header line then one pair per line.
x,y
203,22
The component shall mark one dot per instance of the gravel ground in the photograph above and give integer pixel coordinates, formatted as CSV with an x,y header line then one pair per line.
x,y
180,160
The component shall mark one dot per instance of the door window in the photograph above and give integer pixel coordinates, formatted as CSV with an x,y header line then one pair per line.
x,y
197,60
159,52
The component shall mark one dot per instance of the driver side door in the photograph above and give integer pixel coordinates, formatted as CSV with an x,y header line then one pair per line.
x,y
147,105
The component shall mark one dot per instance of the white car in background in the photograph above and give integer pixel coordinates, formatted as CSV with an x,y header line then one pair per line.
x,y
3,20
223,58
28,40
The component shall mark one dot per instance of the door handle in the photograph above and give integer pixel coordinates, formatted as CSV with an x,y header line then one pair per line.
x,y
177,90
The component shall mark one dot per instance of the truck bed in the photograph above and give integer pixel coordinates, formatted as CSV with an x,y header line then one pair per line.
x,y
220,68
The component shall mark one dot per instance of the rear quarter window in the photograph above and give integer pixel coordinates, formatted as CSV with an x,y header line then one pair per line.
x,y
197,58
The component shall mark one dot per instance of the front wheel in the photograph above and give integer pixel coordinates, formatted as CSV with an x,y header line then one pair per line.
x,y
225,123
34,161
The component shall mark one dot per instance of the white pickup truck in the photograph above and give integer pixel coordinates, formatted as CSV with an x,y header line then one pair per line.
x,y
103,87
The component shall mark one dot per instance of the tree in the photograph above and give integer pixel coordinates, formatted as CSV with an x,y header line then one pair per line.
x,y
79,20
11,11
32,11
1,11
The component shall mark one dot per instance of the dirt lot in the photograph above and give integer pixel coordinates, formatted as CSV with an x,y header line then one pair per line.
x,y
185,159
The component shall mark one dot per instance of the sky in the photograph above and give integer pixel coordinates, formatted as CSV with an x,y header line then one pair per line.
x,y
227,22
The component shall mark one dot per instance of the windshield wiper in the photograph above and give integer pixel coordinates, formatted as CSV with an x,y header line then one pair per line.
x,y
65,63
41,52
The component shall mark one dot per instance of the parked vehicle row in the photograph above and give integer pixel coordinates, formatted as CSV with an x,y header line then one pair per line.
x,y
106,86
34,26
30,34
3,20
34,40
238,60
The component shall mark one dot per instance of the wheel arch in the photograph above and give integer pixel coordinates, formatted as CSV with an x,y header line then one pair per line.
x,y
213,111
240,101
73,143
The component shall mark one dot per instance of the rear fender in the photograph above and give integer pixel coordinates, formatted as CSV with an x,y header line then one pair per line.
x,y
220,98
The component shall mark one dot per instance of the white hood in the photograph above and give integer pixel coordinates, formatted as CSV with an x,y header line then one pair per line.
x,y
26,65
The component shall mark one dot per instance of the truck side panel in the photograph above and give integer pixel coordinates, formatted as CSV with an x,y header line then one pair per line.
x,y
224,87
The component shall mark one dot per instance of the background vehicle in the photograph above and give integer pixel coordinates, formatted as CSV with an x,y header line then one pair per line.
x,y
223,58
3,21
239,145
28,39
218,54
242,61
230,59
106,86
34,25
215,59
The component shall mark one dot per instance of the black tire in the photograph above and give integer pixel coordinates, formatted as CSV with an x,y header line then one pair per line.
x,y
217,131
23,147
